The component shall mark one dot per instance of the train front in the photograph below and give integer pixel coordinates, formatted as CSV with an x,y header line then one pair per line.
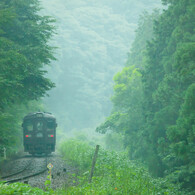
x,y
39,133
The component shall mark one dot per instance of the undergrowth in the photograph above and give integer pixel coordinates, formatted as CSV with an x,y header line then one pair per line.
x,y
20,188
114,173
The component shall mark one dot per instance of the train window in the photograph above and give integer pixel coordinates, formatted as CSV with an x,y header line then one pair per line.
x,y
29,126
50,125
39,125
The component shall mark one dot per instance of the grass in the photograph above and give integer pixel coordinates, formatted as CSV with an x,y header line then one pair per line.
x,y
20,188
114,173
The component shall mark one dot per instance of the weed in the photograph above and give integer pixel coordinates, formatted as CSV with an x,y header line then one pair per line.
x,y
114,173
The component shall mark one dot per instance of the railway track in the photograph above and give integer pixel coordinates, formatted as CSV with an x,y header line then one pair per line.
x,y
33,171
33,168
18,172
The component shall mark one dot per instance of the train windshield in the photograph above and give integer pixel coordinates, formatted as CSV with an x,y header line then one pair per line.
x,y
29,126
50,125
39,129
39,125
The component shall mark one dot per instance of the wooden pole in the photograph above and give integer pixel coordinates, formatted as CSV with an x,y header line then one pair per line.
x,y
93,163
50,174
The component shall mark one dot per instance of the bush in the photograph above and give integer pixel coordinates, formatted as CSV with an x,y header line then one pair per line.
x,y
114,173
20,188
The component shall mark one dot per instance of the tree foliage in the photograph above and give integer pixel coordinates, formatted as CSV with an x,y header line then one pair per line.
x,y
24,51
164,138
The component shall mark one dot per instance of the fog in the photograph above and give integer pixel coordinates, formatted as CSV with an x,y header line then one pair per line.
x,y
93,39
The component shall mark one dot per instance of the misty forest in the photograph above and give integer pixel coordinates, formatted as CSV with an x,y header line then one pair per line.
x,y
118,74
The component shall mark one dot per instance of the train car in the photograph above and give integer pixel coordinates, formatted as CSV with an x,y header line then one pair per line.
x,y
39,133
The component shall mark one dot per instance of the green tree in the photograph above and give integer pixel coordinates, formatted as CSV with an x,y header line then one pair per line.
x,y
24,51
164,139
182,142
168,73
127,115
144,33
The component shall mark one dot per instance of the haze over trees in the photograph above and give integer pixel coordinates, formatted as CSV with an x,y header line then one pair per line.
x,y
93,38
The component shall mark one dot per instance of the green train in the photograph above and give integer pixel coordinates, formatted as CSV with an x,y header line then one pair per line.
x,y
39,133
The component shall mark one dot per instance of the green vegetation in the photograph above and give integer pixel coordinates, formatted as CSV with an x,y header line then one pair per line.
x,y
153,113
114,173
20,188
24,51
154,95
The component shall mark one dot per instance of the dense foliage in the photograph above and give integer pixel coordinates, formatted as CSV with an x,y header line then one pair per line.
x,y
154,95
114,173
24,51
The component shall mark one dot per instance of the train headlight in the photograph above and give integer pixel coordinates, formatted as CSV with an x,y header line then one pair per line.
x,y
28,135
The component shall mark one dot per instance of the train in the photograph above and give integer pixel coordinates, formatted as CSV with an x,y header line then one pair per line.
x,y
39,133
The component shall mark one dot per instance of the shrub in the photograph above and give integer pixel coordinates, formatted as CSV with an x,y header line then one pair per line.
x,y
114,173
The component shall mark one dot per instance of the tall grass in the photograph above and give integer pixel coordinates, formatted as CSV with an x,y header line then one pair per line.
x,y
114,173
21,189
